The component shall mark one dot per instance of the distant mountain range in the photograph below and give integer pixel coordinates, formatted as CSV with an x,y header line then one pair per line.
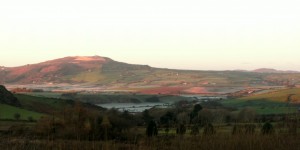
x,y
270,70
267,70
104,71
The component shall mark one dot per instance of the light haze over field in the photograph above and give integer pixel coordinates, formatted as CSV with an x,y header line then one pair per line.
x,y
201,35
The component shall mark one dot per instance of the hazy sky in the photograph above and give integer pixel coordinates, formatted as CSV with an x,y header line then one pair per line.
x,y
204,35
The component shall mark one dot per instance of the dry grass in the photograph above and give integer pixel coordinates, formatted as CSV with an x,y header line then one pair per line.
x,y
211,142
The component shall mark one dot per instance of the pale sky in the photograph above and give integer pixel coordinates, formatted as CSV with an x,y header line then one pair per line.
x,y
181,34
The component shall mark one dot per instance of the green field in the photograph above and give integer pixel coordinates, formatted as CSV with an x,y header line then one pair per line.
x,y
8,112
80,127
45,94
32,106
33,101
268,103
263,107
278,96
38,105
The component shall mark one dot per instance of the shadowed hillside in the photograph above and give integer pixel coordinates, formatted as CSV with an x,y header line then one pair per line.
x,y
8,98
31,106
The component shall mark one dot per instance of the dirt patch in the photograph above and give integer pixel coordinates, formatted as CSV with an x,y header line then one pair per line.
x,y
163,90
82,58
196,90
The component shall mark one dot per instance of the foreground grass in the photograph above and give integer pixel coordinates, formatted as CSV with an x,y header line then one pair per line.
x,y
211,142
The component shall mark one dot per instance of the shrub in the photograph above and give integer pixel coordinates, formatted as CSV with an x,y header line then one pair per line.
x,y
17,116
30,119
267,128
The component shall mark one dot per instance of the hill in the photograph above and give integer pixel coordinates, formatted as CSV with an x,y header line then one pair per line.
x,y
64,70
37,107
34,107
106,73
270,70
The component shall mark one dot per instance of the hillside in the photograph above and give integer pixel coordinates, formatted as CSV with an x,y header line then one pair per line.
x,y
278,96
270,70
109,74
64,70
8,112
36,107
274,102
7,97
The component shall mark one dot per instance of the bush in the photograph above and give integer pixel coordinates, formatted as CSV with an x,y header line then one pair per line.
x,y
267,128
17,116
30,119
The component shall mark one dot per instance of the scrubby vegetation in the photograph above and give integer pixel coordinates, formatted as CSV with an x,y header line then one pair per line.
x,y
51,123
76,127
